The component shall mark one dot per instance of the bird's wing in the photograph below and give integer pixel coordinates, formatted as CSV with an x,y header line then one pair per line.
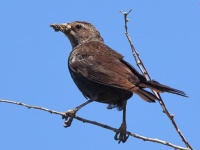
x,y
105,69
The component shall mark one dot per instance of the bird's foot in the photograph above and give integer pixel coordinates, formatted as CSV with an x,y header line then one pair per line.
x,y
121,135
69,116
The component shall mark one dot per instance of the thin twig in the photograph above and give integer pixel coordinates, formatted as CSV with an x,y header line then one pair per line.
x,y
147,76
97,124
34,107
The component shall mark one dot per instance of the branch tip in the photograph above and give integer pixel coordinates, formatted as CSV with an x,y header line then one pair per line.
x,y
148,78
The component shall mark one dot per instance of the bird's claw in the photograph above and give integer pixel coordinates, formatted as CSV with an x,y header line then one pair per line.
x,y
121,136
69,116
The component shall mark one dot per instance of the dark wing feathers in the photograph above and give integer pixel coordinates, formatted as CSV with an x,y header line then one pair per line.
x,y
106,66
103,66
112,73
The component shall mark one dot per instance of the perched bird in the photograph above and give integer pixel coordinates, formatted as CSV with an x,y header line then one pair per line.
x,y
101,73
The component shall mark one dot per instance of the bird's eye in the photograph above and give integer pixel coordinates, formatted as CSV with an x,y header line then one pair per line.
x,y
78,26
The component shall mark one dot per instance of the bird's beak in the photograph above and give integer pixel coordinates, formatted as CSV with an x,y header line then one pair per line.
x,y
61,27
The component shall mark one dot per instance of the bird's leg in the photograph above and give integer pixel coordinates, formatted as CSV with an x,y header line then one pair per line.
x,y
121,134
70,114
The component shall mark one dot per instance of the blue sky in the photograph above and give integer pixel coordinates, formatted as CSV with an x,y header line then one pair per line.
x,y
33,70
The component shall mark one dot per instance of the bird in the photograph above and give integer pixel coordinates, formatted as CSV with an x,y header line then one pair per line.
x,y
102,74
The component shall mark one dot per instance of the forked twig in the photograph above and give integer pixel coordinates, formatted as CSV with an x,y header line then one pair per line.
x,y
147,76
97,124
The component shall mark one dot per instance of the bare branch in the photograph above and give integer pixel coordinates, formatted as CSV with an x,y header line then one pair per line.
x,y
97,124
147,76
34,107
132,134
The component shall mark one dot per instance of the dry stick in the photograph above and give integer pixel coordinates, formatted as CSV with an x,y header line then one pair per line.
x,y
97,124
147,76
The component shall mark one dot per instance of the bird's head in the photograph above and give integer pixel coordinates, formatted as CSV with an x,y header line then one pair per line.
x,y
78,32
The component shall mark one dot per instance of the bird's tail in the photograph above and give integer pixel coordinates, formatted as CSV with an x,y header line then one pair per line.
x,y
154,85
146,95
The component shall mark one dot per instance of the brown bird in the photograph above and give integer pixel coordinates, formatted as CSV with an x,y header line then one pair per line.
x,y
102,75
